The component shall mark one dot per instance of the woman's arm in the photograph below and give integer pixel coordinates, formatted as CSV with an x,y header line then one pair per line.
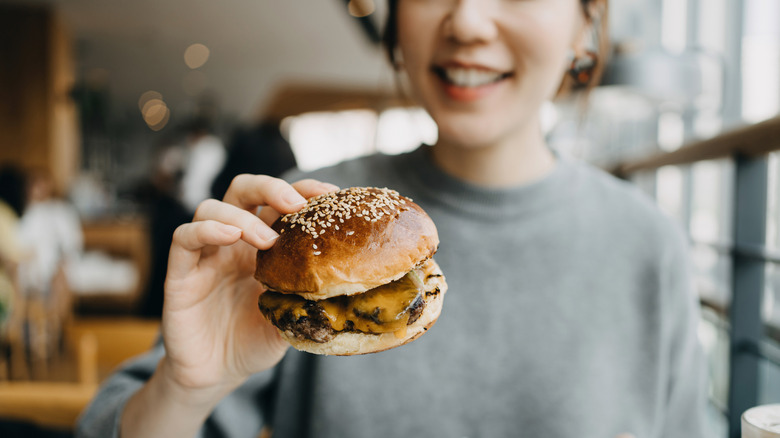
x,y
161,408
213,334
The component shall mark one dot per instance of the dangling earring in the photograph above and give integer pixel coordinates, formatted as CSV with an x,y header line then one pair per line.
x,y
582,67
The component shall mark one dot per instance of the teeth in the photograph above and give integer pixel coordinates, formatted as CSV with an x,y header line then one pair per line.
x,y
471,77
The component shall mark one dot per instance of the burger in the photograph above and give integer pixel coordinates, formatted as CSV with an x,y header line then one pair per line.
x,y
352,273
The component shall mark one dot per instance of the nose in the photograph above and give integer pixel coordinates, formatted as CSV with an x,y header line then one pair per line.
x,y
471,22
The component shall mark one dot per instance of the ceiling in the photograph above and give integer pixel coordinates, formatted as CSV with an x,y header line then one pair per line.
x,y
255,46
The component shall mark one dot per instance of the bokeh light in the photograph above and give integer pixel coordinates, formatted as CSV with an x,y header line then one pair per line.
x,y
146,97
196,55
361,8
154,110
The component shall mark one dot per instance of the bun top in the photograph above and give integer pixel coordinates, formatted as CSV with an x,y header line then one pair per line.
x,y
347,242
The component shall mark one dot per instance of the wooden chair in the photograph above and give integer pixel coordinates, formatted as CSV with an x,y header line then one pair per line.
x,y
98,346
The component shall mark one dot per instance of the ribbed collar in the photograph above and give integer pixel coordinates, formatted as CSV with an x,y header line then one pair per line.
x,y
490,203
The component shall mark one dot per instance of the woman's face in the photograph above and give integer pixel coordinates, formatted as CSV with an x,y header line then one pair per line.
x,y
483,68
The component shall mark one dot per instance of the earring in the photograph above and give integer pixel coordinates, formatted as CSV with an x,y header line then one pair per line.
x,y
582,68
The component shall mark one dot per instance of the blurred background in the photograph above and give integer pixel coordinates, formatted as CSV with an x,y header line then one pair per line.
x,y
118,118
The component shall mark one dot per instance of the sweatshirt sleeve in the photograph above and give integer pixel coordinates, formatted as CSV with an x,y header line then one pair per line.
x,y
101,417
242,413
686,391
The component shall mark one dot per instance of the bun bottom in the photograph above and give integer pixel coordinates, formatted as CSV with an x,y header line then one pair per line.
x,y
354,343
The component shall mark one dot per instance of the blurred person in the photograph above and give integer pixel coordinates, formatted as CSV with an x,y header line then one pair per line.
x,y
13,182
204,157
569,310
51,232
13,186
260,149
166,212
52,242
13,197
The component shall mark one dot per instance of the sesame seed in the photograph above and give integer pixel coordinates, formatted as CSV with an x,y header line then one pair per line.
x,y
317,252
321,212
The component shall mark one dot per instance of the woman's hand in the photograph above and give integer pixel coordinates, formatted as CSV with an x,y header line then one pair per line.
x,y
214,334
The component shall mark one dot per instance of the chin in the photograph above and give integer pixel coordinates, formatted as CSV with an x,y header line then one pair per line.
x,y
483,130
468,135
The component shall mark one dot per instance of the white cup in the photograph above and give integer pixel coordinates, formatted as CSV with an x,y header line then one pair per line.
x,y
761,422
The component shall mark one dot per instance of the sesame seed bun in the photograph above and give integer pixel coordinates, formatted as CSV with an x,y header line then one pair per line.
x,y
347,242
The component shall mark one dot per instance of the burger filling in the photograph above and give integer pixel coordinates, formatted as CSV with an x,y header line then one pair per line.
x,y
385,309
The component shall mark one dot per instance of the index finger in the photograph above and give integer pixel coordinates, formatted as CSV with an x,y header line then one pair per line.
x,y
251,191
308,188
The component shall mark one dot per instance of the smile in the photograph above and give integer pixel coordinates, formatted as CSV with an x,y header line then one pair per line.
x,y
469,77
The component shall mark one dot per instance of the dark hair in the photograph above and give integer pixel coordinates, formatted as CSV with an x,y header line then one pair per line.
x,y
595,12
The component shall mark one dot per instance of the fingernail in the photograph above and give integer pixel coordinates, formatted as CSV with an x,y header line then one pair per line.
x,y
265,233
329,187
229,230
293,198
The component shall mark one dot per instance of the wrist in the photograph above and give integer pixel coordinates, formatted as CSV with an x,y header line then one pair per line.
x,y
186,394
163,407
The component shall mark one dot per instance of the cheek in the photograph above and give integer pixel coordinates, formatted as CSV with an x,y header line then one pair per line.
x,y
417,43
415,31
544,40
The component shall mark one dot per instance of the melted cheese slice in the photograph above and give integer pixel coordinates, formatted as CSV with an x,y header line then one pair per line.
x,y
380,310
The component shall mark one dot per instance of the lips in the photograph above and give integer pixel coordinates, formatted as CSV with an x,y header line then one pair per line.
x,y
466,83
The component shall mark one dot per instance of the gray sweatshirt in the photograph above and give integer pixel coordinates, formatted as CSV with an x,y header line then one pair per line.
x,y
570,313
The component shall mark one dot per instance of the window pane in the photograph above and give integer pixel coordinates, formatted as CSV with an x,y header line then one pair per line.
x,y
773,204
768,383
714,339
670,192
712,188
760,63
712,275
770,307
321,139
404,129
712,23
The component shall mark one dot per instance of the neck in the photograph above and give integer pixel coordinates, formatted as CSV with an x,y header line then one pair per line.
x,y
514,161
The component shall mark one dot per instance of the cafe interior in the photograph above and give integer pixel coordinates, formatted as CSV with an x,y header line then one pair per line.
x,y
99,102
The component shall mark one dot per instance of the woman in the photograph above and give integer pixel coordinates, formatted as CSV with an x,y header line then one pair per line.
x,y
568,312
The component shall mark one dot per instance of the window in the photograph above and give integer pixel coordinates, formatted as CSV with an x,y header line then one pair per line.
x,y
321,139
